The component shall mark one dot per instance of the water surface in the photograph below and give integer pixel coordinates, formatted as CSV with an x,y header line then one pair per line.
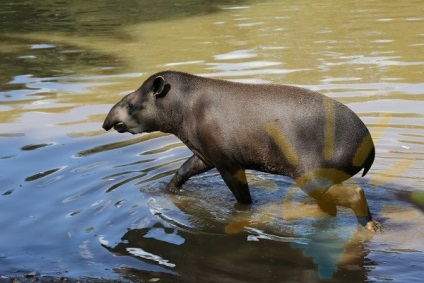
x,y
78,202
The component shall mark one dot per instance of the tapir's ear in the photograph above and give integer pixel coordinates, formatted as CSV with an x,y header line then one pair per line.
x,y
160,88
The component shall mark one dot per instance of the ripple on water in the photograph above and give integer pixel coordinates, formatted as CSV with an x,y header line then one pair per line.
x,y
87,191
42,174
36,146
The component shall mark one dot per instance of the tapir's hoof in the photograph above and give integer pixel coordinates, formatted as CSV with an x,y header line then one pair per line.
x,y
374,226
172,189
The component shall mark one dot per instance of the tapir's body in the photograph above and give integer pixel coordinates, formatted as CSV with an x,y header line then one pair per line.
x,y
232,127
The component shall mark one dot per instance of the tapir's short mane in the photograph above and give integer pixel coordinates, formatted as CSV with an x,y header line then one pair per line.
x,y
186,79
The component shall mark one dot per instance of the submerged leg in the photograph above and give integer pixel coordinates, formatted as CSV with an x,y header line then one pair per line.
x,y
237,182
352,197
193,166
327,206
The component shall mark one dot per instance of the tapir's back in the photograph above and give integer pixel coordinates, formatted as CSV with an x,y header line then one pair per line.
x,y
284,129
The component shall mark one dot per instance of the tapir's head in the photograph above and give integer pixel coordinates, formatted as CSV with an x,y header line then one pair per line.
x,y
139,111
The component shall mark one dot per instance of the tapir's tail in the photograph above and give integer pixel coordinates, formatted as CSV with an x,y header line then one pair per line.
x,y
368,162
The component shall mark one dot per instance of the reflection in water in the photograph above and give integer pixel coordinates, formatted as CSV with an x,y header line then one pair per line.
x,y
229,257
77,202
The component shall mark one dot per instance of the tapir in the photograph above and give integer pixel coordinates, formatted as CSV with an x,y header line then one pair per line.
x,y
280,129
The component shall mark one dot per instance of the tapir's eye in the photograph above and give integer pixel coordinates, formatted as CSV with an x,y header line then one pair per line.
x,y
130,106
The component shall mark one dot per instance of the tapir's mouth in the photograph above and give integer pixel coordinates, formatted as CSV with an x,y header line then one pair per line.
x,y
120,127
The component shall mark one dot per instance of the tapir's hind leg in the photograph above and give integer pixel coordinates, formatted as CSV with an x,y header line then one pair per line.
x,y
348,196
327,206
193,166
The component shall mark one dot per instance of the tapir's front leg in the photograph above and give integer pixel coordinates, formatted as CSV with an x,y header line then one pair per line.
x,y
237,182
193,166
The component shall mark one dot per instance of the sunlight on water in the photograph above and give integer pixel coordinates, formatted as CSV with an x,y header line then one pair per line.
x,y
77,201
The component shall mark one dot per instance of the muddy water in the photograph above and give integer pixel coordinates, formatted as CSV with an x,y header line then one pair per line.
x,y
81,203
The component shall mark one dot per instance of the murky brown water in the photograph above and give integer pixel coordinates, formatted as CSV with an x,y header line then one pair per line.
x,y
76,201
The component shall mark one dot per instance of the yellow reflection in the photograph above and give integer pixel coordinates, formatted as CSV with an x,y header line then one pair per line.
x,y
283,143
330,128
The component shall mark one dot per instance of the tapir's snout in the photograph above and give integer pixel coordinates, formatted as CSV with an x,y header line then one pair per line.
x,y
109,121
107,125
112,121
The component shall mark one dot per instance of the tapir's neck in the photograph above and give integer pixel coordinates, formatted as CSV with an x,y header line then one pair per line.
x,y
172,120
172,124
182,106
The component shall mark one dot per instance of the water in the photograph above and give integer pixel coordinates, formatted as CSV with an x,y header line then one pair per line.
x,y
78,202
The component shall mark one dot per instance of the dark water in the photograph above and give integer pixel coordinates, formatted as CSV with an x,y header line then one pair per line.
x,y
78,202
